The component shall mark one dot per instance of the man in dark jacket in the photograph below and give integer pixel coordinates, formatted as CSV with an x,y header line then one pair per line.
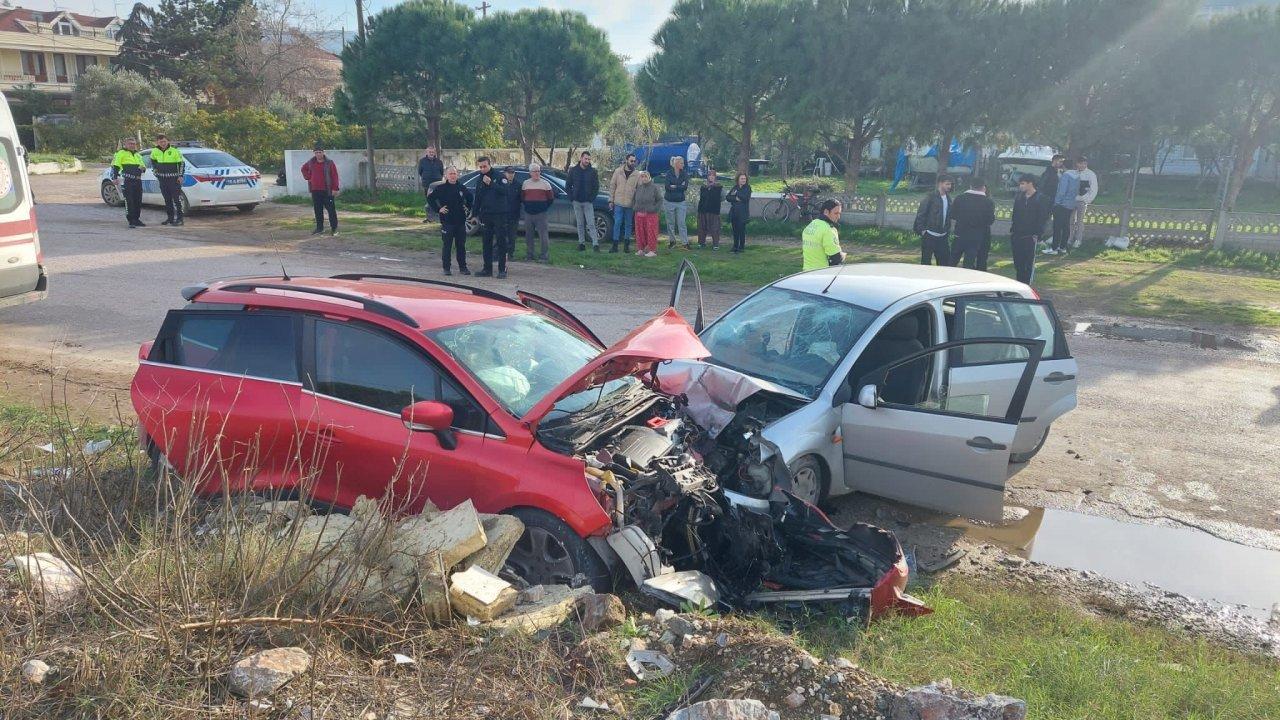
x,y
974,213
510,188
674,189
490,208
710,198
430,170
1047,188
452,200
582,185
321,175
933,224
1029,214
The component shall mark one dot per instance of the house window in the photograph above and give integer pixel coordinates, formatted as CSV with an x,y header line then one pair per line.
x,y
65,27
84,62
33,66
60,68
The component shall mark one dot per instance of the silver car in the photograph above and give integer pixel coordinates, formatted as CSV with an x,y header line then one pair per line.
x,y
929,385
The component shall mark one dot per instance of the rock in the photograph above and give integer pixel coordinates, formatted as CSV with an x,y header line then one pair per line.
x,y
455,534
794,700
939,702
1012,561
1275,616
533,594
502,532
265,672
845,664
480,594
53,582
1013,514
555,607
35,671
725,710
678,626
809,662
662,615
600,611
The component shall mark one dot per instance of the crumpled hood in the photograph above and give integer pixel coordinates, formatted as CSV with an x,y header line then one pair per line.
x,y
715,392
665,337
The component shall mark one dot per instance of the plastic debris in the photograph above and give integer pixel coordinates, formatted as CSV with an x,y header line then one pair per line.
x,y
649,664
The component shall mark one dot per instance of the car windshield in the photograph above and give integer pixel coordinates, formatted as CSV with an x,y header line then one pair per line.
x,y
210,158
518,358
791,338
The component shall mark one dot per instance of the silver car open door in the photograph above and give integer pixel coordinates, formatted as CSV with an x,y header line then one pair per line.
x,y
907,437
1053,389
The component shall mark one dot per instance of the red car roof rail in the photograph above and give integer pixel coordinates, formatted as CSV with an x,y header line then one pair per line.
x,y
373,306
478,292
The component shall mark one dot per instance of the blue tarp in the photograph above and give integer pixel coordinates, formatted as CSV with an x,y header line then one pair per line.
x,y
656,157
960,157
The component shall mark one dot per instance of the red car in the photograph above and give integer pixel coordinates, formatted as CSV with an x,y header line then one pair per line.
x,y
407,389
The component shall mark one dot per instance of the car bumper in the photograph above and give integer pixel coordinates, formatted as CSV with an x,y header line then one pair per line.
x,y
40,292
227,196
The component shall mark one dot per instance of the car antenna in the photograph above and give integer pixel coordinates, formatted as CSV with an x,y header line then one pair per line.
x,y
284,274
834,275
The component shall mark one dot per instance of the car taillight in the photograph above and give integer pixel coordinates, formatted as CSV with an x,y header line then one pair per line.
x,y
204,178
1034,294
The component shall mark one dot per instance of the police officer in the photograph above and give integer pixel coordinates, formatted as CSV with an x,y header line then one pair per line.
x,y
166,161
127,164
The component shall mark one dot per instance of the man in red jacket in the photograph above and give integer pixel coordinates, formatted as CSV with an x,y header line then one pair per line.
x,y
322,180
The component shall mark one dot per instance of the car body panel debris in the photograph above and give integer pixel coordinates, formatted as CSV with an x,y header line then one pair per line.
x,y
649,664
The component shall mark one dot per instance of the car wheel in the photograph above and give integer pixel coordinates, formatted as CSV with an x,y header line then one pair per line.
x,y
111,194
809,479
184,204
1026,456
604,226
247,207
551,553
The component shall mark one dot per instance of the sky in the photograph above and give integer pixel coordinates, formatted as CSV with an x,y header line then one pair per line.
x,y
630,24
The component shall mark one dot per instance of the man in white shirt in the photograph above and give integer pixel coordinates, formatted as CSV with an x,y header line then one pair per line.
x,y
1088,192
933,224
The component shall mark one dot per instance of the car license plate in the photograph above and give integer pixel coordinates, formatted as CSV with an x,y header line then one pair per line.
x,y
236,181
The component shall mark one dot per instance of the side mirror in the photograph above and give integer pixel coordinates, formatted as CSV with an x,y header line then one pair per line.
x,y
431,416
867,397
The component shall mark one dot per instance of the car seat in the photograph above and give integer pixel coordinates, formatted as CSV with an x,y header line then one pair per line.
x,y
899,339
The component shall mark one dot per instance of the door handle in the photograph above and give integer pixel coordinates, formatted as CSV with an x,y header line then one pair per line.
x,y
985,443
1058,377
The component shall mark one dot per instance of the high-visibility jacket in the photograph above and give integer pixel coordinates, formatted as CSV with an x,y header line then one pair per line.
x,y
820,244
167,163
127,163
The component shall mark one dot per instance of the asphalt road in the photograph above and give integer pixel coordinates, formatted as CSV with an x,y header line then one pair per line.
x,y
1165,432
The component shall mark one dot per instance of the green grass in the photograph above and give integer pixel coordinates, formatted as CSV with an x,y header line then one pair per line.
x,y
1181,192
1065,664
389,202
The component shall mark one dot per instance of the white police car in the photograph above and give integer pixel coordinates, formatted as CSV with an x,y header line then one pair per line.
x,y
212,178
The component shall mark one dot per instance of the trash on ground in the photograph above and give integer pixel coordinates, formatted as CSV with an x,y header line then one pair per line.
x,y
649,664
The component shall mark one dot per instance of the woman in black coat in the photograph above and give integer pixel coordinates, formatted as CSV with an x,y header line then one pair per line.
x,y
739,198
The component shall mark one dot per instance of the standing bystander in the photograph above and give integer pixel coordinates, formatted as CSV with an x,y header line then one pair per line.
x,y
820,243
1088,193
430,172
933,224
582,185
740,211
490,210
536,196
710,198
452,200
1026,227
169,167
126,172
1064,209
647,202
974,213
622,188
676,187
321,175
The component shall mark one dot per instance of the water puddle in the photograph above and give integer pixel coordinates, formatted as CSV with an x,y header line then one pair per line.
x,y
1180,560
1160,334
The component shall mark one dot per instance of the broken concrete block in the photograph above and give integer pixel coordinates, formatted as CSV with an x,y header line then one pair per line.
x,y
454,534
502,532
263,673
53,582
480,594
35,671
555,607
601,611
938,701
725,710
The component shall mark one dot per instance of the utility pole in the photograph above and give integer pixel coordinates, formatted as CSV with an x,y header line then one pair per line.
x,y
483,7
368,128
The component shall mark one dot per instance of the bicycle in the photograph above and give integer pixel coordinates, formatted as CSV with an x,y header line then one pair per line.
x,y
804,203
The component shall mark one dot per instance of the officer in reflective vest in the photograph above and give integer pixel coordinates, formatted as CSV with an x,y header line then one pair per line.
x,y
127,166
167,163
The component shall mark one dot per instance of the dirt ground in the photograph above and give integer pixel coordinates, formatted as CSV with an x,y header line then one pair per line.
x,y
1165,432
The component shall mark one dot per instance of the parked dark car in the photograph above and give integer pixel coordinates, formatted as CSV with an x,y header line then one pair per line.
x,y
560,216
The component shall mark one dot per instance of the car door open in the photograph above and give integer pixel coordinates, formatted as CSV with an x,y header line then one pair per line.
x,y
908,437
1053,389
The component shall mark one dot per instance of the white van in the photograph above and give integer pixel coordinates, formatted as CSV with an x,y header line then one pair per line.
x,y
23,277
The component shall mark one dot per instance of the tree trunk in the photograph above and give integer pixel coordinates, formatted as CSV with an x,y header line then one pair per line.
x,y
433,123
1240,170
944,151
853,163
744,148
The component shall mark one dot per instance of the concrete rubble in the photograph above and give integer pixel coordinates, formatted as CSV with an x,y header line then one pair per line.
x,y
940,701
53,582
725,710
35,671
480,594
265,672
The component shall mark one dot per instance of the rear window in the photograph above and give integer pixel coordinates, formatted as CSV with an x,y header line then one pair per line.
x,y
11,190
210,158
251,344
